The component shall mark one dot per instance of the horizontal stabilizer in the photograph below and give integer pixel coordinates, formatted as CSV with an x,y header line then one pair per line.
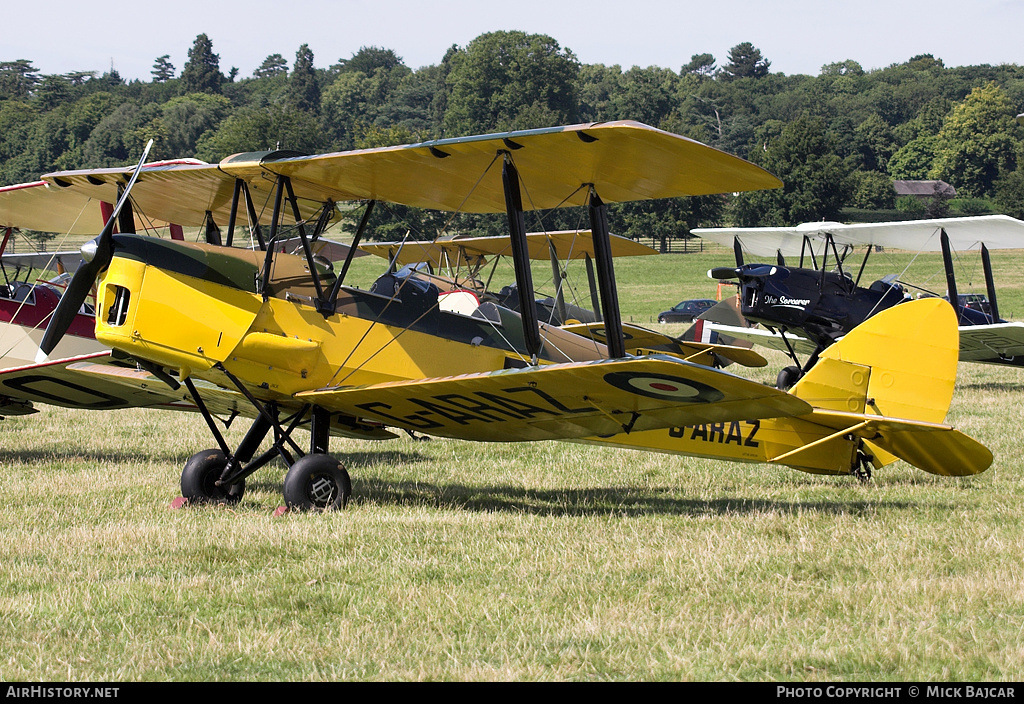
x,y
933,447
563,401
766,338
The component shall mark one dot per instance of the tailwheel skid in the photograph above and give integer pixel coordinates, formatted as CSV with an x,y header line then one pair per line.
x,y
862,467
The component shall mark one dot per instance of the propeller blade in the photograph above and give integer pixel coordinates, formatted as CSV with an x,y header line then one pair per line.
x,y
69,305
724,272
96,255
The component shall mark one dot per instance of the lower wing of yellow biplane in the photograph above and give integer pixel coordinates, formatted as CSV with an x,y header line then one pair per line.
x,y
64,382
96,382
563,401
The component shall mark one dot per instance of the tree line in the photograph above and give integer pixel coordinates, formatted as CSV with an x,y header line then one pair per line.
x,y
838,140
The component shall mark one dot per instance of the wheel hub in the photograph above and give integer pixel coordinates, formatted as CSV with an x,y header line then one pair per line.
x,y
322,490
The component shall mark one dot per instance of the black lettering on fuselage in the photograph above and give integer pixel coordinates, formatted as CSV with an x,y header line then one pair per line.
x,y
749,441
717,432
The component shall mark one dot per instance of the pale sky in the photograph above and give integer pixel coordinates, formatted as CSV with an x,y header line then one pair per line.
x,y
797,36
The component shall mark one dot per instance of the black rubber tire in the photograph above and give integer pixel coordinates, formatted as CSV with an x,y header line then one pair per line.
x,y
317,482
199,477
788,376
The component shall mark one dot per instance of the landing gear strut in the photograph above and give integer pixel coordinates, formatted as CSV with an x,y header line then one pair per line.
x,y
314,481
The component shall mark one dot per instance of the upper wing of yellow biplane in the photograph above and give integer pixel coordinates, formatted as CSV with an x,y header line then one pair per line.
x,y
563,401
41,206
623,161
73,202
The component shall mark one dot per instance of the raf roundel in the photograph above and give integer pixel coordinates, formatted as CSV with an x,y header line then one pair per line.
x,y
665,387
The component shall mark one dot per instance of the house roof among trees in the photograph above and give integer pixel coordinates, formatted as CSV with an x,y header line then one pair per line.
x,y
924,189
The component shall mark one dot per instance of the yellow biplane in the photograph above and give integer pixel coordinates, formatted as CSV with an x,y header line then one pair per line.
x,y
284,340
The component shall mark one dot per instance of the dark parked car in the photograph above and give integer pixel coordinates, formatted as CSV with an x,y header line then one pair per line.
x,y
974,301
686,311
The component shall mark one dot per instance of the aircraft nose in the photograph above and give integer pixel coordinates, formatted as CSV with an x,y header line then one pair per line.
x,y
89,250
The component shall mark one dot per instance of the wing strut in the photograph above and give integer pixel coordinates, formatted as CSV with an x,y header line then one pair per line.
x,y
329,306
606,276
125,216
990,283
521,257
556,275
212,231
234,210
595,301
947,263
253,217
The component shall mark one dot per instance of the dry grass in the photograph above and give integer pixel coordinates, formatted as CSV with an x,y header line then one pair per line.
x,y
544,561
541,561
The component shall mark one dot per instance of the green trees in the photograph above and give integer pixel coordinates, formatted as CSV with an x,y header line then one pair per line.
x,y
816,184
304,87
977,143
510,80
273,65
202,70
745,61
837,139
17,79
163,69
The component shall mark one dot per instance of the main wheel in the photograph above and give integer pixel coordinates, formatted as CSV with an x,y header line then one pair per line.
x,y
317,481
788,376
199,480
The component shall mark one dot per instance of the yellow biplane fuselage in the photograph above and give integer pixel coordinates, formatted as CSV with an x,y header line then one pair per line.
x,y
146,311
255,339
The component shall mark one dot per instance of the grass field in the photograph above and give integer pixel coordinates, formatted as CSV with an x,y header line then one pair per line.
x,y
540,561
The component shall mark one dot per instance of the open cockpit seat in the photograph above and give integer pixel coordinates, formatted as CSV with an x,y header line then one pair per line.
x,y
412,292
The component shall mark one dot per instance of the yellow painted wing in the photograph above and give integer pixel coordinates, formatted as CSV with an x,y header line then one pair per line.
x,y
568,244
181,193
139,388
48,208
624,161
64,382
563,401
642,341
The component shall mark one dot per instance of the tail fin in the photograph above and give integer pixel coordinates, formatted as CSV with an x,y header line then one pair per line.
x,y
900,363
891,380
727,312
